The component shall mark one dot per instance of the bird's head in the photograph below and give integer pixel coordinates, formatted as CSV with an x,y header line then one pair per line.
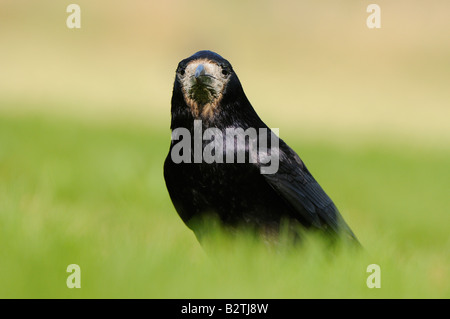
x,y
204,80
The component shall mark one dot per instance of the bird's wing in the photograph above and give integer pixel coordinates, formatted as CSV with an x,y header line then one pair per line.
x,y
297,186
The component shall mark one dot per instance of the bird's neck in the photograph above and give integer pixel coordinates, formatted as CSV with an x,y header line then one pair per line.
x,y
237,114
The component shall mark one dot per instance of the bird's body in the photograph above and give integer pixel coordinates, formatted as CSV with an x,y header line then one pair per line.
x,y
238,194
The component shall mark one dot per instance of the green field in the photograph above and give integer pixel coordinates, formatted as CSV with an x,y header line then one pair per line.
x,y
77,192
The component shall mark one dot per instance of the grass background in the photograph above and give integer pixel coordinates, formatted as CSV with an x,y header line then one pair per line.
x,y
84,130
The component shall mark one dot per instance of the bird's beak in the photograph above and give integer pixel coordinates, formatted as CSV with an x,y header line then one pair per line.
x,y
200,70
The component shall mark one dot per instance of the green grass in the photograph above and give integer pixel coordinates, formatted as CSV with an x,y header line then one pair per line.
x,y
94,195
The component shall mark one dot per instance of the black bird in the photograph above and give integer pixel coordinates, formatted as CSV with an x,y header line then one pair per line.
x,y
237,194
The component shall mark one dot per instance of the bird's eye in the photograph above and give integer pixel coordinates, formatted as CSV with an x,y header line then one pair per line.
x,y
181,72
225,72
